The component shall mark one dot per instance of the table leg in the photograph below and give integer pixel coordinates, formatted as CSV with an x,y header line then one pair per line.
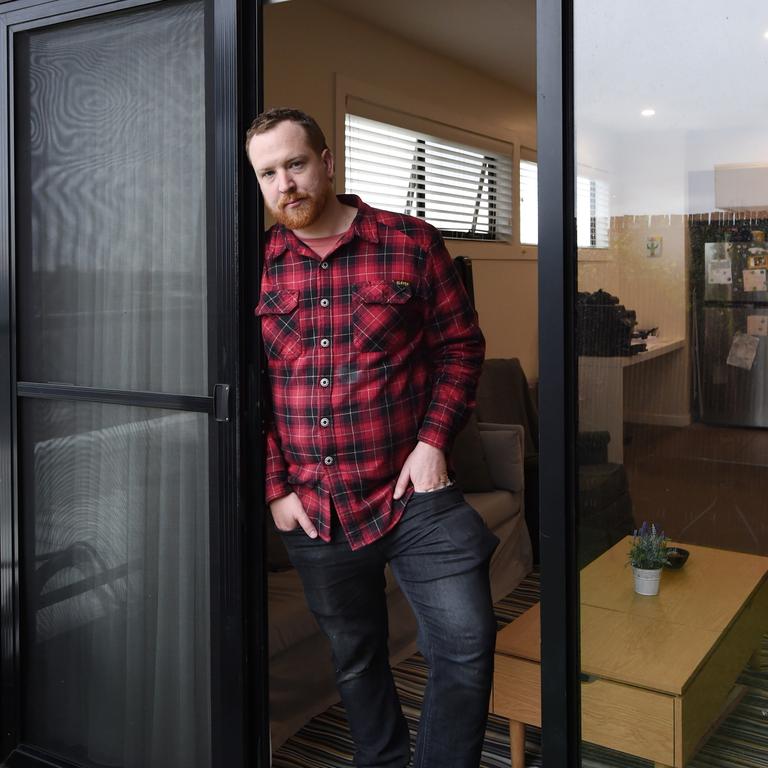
x,y
517,743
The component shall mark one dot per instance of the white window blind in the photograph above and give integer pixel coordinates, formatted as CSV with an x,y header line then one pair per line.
x,y
464,191
529,203
592,213
592,209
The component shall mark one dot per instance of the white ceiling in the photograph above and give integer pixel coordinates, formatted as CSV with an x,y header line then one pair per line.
x,y
497,37
701,66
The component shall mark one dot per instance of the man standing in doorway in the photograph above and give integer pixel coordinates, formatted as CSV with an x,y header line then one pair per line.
x,y
374,354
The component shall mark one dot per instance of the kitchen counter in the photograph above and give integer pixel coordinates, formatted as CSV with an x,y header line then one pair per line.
x,y
601,391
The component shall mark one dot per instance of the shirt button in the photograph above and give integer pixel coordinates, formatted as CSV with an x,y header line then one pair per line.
x,y
325,343
324,382
324,302
324,422
328,460
324,265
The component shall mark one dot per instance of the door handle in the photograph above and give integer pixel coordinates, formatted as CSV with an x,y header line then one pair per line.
x,y
221,402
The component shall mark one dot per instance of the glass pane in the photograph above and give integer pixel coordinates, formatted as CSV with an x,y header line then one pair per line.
x,y
116,584
110,214
672,320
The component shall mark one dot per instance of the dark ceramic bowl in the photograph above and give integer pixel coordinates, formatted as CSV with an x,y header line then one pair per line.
x,y
676,557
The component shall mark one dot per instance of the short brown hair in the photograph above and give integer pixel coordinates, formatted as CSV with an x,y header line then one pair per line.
x,y
272,117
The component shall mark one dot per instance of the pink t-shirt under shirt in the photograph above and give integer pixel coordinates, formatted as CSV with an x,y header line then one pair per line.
x,y
322,246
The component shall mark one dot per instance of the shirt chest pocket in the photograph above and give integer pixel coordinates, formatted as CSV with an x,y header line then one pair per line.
x,y
280,329
386,316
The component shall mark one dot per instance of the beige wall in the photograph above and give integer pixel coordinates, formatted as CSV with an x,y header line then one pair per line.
x,y
655,286
308,46
657,391
603,274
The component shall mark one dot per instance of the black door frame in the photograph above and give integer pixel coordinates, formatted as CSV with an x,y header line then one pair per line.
x,y
560,635
254,386
238,627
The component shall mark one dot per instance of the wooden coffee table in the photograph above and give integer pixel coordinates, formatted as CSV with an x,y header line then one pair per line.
x,y
660,671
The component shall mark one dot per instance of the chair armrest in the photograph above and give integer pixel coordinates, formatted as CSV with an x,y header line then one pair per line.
x,y
504,445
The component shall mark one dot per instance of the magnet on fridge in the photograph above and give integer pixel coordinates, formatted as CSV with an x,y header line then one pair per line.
x,y
758,258
755,279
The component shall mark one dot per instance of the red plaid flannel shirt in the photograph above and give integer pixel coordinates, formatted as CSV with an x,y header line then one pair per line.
x,y
369,350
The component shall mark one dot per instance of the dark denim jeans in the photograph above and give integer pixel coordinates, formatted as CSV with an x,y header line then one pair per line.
x,y
439,554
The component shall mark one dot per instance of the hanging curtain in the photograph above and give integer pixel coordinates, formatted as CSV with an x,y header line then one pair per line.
x,y
112,293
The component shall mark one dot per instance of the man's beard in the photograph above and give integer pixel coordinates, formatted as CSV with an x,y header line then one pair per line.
x,y
305,215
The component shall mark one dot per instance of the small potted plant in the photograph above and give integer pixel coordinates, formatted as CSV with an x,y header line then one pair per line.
x,y
647,556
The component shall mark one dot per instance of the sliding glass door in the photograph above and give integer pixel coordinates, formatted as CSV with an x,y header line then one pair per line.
x,y
671,201
653,199
123,602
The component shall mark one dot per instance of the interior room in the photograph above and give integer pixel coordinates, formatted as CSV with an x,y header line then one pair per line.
x,y
466,73
670,315
447,72
454,68
687,423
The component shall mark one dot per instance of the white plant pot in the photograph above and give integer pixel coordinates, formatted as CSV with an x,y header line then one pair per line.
x,y
647,581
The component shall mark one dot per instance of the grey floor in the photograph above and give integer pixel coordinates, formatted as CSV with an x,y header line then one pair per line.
x,y
703,484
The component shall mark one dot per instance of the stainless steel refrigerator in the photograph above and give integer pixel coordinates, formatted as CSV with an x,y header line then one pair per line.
x,y
733,358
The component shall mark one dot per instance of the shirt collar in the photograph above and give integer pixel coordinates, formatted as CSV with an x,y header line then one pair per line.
x,y
364,226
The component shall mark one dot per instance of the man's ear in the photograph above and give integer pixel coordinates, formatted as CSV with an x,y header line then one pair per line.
x,y
327,157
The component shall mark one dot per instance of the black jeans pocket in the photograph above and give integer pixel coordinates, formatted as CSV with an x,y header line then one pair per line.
x,y
467,530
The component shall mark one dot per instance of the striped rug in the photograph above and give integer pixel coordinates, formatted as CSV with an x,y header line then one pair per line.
x,y
741,741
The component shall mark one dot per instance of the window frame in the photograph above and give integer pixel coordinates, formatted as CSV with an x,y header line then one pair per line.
x,y
461,128
593,178
593,251
527,155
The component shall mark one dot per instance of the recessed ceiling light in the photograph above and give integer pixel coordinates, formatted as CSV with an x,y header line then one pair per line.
x,y
648,112
765,34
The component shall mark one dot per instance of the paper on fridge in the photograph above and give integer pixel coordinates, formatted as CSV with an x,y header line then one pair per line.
x,y
757,325
720,274
755,279
743,351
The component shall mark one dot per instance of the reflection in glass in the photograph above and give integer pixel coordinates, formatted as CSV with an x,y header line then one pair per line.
x,y
116,585
110,214
673,382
